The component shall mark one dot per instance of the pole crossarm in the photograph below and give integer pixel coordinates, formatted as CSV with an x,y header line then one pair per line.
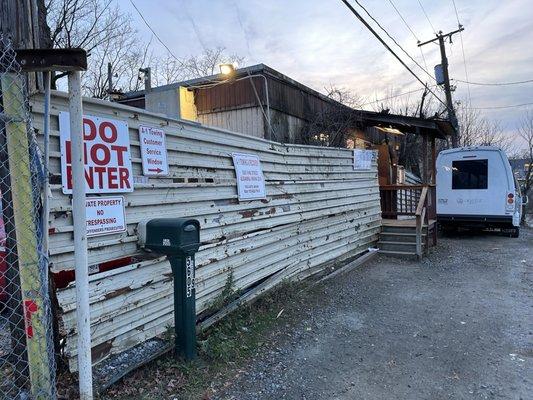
x,y
440,34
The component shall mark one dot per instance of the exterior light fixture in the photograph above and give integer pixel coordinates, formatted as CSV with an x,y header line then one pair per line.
x,y
227,69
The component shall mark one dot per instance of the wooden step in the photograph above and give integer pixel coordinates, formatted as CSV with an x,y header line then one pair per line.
x,y
401,229
402,254
399,237
397,246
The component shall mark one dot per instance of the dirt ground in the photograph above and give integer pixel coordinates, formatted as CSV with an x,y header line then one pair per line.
x,y
457,325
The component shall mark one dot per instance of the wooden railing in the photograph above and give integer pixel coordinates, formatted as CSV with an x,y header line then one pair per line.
x,y
421,218
417,201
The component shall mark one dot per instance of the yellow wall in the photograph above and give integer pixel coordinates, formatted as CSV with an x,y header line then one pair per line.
x,y
187,106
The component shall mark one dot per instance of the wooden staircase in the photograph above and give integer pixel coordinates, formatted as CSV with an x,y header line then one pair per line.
x,y
408,224
399,237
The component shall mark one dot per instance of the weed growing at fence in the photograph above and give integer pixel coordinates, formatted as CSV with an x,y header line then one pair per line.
x,y
225,297
223,349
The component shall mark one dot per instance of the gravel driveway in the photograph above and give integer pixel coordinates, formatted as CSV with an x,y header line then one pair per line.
x,y
457,325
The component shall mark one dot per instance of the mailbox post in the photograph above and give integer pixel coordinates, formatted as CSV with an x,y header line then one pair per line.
x,y
179,239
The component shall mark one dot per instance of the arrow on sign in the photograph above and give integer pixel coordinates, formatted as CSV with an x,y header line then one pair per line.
x,y
158,170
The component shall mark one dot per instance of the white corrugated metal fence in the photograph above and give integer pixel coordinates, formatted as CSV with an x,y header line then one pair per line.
x,y
318,210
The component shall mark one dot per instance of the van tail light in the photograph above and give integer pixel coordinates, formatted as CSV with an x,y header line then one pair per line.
x,y
510,198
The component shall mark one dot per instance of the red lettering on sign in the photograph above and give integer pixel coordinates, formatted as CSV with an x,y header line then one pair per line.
x,y
91,134
105,154
101,157
30,307
124,178
100,172
120,153
112,128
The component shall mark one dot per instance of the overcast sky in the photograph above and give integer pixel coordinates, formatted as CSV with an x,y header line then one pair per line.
x,y
319,43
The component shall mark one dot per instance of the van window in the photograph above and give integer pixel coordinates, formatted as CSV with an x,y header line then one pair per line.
x,y
471,174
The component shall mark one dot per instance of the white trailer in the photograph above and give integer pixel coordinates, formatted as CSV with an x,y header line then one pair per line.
x,y
476,188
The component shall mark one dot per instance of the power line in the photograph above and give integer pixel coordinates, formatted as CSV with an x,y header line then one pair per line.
x,y
424,11
500,107
360,18
404,21
394,96
463,51
411,30
394,40
494,83
153,32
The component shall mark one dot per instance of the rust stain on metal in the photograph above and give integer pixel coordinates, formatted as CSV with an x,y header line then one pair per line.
x,y
248,213
271,210
118,292
283,196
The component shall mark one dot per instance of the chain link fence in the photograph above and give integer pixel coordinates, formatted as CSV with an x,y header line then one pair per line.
x,y
27,366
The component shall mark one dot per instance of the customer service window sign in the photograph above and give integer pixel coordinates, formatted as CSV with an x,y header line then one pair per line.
x,y
106,153
250,179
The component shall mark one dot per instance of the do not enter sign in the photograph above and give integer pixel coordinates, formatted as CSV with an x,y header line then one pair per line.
x,y
106,154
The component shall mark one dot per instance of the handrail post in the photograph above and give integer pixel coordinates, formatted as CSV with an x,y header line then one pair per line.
x,y
418,236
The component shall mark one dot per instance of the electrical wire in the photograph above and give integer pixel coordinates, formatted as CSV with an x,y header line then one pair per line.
x,y
411,30
396,95
360,18
154,33
394,40
424,11
495,83
500,107
459,25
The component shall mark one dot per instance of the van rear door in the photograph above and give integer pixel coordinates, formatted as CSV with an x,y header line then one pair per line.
x,y
472,183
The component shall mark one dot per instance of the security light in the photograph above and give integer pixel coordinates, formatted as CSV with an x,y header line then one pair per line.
x,y
227,69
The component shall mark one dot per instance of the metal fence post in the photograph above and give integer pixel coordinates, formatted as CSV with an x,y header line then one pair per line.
x,y
80,237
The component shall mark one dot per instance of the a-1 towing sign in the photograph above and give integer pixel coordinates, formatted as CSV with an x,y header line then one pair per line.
x,y
153,151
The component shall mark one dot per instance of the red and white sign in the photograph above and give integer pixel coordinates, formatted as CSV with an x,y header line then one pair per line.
x,y
105,215
106,153
153,151
250,179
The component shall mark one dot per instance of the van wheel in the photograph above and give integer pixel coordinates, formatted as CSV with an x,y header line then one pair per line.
x,y
515,232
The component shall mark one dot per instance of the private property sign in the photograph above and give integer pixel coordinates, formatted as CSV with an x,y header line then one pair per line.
x,y
105,215
153,151
250,179
106,153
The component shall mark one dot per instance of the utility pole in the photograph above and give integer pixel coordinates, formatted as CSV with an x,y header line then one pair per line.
x,y
110,80
447,88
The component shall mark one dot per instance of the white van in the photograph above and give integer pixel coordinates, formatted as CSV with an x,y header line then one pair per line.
x,y
476,188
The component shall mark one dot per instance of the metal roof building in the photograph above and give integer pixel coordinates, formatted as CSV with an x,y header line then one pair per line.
x,y
241,103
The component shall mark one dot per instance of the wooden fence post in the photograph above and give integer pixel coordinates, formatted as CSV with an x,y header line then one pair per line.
x,y
26,234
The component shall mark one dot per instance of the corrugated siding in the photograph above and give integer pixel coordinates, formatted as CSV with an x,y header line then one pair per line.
x,y
229,95
318,210
249,121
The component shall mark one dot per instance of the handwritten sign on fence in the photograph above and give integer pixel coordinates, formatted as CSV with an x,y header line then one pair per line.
x,y
362,159
250,179
106,153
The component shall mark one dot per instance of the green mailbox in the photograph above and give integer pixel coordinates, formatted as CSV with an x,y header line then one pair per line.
x,y
179,239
